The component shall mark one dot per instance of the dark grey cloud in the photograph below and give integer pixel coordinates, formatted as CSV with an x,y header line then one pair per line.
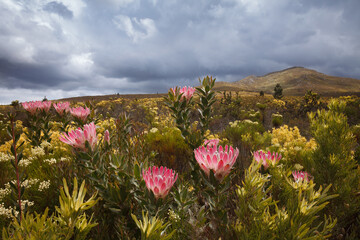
x,y
129,46
18,73
58,8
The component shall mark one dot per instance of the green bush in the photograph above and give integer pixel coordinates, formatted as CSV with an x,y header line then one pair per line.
x,y
260,215
261,106
277,120
332,162
248,136
171,148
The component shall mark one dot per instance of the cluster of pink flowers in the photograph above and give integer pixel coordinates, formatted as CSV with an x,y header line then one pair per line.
x,y
80,113
187,92
33,106
62,107
267,158
300,176
77,138
159,180
217,159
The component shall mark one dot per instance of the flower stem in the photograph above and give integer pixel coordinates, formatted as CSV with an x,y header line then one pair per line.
x,y
16,165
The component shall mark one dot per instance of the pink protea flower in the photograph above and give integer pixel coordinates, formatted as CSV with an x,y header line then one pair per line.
x,y
80,113
107,136
31,106
266,158
211,142
159,180
187,92
217,159
77,138
300,176
45,106
62,107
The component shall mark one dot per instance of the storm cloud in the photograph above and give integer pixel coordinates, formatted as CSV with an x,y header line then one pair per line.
x,y
68,48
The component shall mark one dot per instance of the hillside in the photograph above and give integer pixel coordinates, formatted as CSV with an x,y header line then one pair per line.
x,y
294,81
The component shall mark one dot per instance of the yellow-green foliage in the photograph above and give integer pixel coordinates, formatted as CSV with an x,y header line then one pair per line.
x,y
262,217
32,227
152,228
70,222
246,132
332,162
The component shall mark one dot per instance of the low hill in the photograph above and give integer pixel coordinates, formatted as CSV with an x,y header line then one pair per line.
x,y
294,81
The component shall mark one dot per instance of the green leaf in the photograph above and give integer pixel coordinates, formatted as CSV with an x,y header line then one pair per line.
x,y
137,171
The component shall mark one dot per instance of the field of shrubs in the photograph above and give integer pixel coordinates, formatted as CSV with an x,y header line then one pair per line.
x,y
196,164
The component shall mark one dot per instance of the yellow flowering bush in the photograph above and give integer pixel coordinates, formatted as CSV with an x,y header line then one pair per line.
x,y
279,103
106,124
289,142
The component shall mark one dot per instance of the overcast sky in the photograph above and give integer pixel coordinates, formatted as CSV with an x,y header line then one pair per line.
x,y
69,48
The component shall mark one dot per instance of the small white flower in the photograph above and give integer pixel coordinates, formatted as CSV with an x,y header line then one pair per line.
x,y
4,191
44,185
64,159
45,144
50,161
37,151
4,157
154,130
25,162
6,212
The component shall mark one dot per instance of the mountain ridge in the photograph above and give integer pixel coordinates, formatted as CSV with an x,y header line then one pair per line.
x,y
294,81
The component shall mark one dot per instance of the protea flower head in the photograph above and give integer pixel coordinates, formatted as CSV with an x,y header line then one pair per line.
x,y
266,158
217,159
45,106
187,92
159,180
31,106
80,113
62,107
78,138
300,176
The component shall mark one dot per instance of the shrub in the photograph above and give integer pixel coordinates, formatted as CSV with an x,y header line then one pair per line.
x,y
311,102
290,143
170,146
278,91
15,104
332,162
247,136
277,119
260,215
261,106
